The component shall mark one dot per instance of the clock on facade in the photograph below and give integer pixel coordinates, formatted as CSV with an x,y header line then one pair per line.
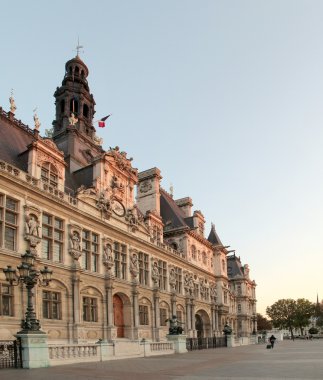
x,y
118,208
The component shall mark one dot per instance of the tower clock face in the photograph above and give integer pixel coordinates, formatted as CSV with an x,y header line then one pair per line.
x,y
118,208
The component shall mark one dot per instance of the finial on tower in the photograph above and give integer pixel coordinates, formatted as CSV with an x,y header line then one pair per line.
x,y
36,120
78,47
171,190
12,103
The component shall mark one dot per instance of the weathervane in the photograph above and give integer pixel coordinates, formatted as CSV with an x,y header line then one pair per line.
x,y
78,47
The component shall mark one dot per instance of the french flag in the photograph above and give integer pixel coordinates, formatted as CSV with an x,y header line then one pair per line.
x,y
102,121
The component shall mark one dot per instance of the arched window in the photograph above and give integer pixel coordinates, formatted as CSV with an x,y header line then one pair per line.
x,y
85,110
62,105
74,106
204,258
77,71
49,174
193,252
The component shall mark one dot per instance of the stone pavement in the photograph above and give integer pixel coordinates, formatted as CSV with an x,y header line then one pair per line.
x,y
299,360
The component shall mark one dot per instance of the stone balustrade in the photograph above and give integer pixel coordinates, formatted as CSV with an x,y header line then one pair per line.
x,y
73,352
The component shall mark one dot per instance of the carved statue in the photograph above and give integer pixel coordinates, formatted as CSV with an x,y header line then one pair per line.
x,y
134,266
72,119
172,278
36,121
107,253
155,272
75,241
13,106
174,329
32,225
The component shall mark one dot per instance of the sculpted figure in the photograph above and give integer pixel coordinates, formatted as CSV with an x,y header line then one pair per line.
x,y
32,225
155,272
134,267
75,241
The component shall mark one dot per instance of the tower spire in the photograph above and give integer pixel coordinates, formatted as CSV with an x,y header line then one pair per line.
x,y
78,47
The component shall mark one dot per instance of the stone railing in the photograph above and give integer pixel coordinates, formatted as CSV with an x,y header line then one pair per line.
x,y
10,116
66,352
41,185
161,346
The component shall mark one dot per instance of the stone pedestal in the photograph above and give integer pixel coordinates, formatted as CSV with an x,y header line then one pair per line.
x,y
34,350
230,341
179,343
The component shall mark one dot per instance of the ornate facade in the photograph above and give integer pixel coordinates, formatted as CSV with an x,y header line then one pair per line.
x,y
125,254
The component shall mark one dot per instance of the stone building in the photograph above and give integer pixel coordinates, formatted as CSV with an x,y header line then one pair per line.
x,y
125,254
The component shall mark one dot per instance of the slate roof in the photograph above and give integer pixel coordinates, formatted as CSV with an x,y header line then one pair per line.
x,y
235,267
14,140
213,236
173,217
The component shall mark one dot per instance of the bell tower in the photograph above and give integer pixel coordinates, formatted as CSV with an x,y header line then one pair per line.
x,y
73,132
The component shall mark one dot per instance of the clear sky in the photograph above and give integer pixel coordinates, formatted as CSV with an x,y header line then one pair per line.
x,y
225,97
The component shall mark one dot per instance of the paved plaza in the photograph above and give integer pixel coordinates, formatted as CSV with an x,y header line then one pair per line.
x,y
297,360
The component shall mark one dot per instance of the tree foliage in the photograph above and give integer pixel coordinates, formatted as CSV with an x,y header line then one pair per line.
x,y
289,314
263,323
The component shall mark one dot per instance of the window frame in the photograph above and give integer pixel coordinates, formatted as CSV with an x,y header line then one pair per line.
x,y
51,239
10,297
90,309
6,241
143,315
51,303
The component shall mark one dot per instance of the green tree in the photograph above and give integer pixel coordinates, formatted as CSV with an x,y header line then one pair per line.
x,y
289,314
263,323
304,311
282,314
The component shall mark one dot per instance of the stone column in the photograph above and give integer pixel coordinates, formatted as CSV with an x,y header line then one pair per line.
x,y
193,318
76,305
135,311
111,330
173,300
157,315
188,316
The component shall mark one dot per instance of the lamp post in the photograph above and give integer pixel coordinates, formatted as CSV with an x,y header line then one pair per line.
x,y
30,276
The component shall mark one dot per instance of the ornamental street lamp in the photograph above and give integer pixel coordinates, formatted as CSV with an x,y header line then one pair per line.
x,y
30,276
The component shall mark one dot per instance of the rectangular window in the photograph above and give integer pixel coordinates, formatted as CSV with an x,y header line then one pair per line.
x,y
120,260
178,272
6,300
162,267
8,222
90,309
143,268
52,238
90,248
51,305
143,315
163,317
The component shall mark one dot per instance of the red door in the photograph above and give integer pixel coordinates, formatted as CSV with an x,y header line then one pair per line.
x,y
118,315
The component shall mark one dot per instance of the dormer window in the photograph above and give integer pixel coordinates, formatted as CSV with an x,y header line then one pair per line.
x,y
49,174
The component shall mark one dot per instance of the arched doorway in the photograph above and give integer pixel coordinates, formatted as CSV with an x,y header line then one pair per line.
x,y
199,326
118,315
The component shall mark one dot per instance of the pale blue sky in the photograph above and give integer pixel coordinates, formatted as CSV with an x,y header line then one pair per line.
x,y
225,97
